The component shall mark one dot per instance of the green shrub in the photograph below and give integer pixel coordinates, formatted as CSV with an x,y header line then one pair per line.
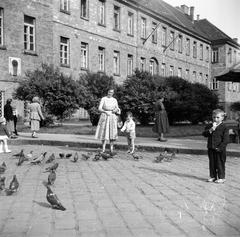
x,y
235,106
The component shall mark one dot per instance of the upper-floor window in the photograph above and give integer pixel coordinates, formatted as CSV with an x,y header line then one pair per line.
x,y
142,64
84,8
230,55
29,33
171,71
215,56
235,56
1,26
143,28
154,34
180,46
65,5
163,69
116,17
116,63
179,72
84,55
194,49
101,12
101,59
201,52
187,46
64,51
129,65
130,29
214,85
164,36
171,38
207,54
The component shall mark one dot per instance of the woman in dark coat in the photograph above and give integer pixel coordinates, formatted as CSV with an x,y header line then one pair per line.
x,y
161,125
8,114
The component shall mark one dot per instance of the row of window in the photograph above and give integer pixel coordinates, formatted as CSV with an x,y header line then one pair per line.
x,y
166,41
231,55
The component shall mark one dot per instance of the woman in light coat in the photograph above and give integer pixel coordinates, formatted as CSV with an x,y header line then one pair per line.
x,y
35,115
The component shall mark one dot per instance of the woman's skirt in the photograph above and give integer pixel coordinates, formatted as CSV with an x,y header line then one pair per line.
x,y
10,126
35,125
161,122
107,127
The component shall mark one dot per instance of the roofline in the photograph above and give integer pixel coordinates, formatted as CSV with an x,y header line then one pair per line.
x,y
153,14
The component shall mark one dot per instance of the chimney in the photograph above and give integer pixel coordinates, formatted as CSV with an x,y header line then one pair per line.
x,y
185,9
236,40
198,17
192,13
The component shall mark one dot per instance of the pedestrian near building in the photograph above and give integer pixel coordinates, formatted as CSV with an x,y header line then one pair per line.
x,y
161,125
8,115
4,135
107,124
35,115
129,128
217,134
15,119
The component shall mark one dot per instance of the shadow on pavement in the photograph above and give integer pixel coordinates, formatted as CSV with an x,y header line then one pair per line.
x,y
43,204
161,171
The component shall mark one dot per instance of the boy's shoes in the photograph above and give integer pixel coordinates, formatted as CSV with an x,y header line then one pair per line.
x,y
211,180
220,181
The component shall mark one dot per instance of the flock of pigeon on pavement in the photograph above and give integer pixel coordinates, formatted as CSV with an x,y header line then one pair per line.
x,y
51,196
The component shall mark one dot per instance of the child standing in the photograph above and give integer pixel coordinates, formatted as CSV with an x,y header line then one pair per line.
x,y
129,128
4,135
217,134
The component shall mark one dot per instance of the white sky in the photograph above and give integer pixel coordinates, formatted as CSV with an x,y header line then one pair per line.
x,y
225,14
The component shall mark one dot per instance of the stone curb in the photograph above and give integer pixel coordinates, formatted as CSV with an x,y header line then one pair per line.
x,y
81,144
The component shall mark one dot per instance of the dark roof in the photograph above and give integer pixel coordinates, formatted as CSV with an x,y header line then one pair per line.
x,y
214,34
170,13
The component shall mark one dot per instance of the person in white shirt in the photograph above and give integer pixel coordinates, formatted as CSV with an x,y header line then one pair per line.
x,y
129,128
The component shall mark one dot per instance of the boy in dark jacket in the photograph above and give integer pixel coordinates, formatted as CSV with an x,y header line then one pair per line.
x,y
217,134
4,135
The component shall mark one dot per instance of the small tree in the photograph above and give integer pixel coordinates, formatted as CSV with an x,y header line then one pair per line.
x,y
59,94
95,86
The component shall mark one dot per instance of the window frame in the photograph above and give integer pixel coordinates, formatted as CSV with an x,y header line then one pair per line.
x,y
180,44
201,51
86,11
129,65
63,58
130,24
188,47
116,12
163,69
62,6
171,71
84,53
194,49
154,34
143,28
101,59
102,12
171,38
207,53
29,35
142,64
164,36
116,70
1,27
215,55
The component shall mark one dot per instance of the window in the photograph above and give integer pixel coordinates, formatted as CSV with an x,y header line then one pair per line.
x,y
187,75
84,55
64,5
142,64
171,38
187,46
194,49
230,86
206,80
153,66
101,59
200,77
143,28
130,65
84,8
194,79
215,56
235,86
164,36
214,84
163,69
234,56
130,24
171,71
101,12
230,55
116,17
207,54
201,52
154,34
116,63
29,33
179,74
180,39
64,51
1,26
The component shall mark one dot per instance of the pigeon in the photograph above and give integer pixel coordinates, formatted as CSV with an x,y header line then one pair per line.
x,y
39,159
68,155
53,199
29,155
97,157
3,168
52,167
13,187
2,183
50,159
61,155
21,159
51,177
105,156
136,157
86,156
159,158
75,158
19,154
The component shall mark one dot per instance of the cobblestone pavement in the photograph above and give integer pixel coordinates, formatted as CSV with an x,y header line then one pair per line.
x,y
121,197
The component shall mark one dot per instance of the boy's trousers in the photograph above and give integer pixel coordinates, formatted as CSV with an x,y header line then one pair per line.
x,y
217,161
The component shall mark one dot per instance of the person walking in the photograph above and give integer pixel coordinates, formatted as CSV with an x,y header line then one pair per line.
x,y
35,115
161,125
15,119
107,124
8,115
